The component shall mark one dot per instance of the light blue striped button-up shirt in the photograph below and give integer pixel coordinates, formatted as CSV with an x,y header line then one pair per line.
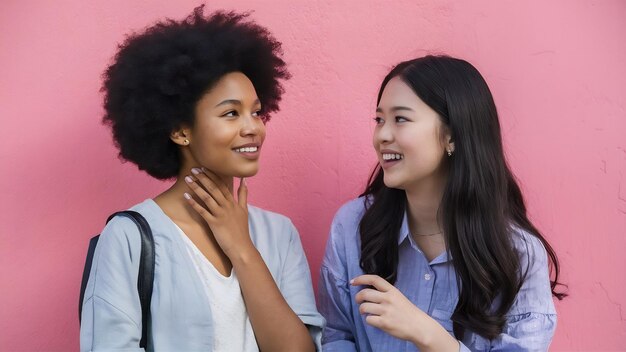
x,y
432,287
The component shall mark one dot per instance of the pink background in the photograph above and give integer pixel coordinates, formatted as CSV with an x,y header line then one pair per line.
x,y
557,70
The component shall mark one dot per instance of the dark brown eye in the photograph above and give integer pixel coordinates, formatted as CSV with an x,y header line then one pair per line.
x,y
401,119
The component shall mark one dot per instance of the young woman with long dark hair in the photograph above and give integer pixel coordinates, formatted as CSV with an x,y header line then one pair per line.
x,y
188,101
438,253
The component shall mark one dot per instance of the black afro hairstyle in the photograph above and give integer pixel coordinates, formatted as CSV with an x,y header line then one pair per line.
x,y
159,74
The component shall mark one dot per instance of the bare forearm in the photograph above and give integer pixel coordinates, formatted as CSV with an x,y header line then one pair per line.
x,y
276,326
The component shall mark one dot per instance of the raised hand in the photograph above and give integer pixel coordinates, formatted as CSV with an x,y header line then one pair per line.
x,y
227,218
389,310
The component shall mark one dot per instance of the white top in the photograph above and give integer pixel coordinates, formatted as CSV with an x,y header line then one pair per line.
x,y
233,331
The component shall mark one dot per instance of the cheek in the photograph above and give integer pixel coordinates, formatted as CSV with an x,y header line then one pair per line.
x,y
211,140
210,145
375,139
262,131
423,149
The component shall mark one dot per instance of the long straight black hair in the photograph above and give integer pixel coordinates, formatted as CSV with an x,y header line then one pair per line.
x,y
480,203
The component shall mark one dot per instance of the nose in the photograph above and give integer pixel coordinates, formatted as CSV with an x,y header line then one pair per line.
x,y
252,126
383,134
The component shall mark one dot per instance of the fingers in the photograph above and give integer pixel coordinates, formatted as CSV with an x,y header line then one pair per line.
x,y
203,195
369,295
209,185
372,280
242,194
206,215
371,308
375,321
219,182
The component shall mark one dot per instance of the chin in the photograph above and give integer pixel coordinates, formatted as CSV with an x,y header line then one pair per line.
x,y
246,173
393,182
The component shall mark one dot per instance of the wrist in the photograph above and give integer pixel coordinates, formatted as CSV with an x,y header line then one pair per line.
x,y
239,244
435,338
244,255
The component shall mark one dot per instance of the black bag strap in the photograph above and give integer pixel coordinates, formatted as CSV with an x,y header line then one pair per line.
x,y
145,278
83,285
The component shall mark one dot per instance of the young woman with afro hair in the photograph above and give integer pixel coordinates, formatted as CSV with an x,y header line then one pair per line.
x,y
188,101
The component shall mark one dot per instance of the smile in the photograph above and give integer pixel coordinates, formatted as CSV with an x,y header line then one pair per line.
x,y
247,150
389,156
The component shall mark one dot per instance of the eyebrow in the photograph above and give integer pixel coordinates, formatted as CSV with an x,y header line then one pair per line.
x,y
396,108
235,102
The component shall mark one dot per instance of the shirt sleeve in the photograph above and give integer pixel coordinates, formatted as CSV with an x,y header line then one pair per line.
x,y
111,315
526,332
334,296
532,319
297,288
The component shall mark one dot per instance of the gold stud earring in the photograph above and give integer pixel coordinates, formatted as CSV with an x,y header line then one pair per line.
x,y
186,142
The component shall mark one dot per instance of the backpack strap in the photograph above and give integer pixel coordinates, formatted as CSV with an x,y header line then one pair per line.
x,y
146,269
145,278
83,285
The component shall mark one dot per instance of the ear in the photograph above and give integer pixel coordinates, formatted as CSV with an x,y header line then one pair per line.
x,y
449,144
181,136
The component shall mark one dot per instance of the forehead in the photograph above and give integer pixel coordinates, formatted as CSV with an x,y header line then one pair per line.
x,y
396,91
231,86
399,94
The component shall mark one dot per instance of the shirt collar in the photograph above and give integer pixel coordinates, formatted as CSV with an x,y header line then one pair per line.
x,y
404,235
404,229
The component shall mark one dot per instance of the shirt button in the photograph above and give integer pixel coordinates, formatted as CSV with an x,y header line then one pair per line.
x,y
427,276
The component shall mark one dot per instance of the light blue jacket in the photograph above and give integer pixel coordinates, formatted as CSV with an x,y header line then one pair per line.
x,y
181,317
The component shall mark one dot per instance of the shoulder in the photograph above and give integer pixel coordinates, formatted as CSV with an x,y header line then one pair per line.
x,y
352,208
535,295
276,239
268,228
344,238
268,219
122,232
350,213
272,218
529,247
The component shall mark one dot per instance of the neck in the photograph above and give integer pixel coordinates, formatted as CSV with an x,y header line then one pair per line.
x,y
423,201
173,203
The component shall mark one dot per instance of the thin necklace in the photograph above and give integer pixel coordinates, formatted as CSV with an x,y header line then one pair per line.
x,y
428,234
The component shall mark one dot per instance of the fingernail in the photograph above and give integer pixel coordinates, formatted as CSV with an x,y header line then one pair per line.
x,y
352,282
242,181
195,171
187,195
188,179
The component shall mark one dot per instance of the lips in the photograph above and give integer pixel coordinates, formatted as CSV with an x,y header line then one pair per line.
x,y
390,157
249,151
246,149
250,147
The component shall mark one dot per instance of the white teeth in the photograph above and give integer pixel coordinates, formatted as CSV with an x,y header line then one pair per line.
x,y
387,156
247,150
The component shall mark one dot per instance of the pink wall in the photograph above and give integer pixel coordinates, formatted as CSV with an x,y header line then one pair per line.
x,y
557,70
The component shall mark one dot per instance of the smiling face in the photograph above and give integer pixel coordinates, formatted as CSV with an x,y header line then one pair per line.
x,y
409,138
228,131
